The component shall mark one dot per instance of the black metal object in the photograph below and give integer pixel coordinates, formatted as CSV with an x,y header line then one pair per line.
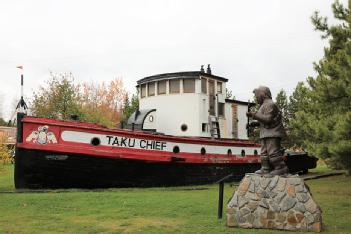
x,y
299,162
248,121
137,119
19,137
220,195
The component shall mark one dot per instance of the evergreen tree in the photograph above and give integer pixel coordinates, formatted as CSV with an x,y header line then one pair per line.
x,y
282,102
298,105
130,106
322,110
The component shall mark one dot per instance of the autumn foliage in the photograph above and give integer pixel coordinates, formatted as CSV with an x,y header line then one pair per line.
x,y
61,98
5,151
103,103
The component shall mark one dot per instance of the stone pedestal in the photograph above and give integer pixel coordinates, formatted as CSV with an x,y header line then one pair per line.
x,y
277,202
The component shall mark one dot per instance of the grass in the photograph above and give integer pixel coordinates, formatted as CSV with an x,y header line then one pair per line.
x,y
150,210
321,167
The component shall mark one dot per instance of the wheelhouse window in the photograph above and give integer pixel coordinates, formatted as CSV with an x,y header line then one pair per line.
x,y
174,86
203,86
143,90
189,85
151,89
221,109
161,87
219,87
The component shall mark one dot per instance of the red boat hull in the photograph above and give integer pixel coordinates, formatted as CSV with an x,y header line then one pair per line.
x,y
63,154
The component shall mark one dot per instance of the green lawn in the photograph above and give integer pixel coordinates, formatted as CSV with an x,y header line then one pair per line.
x,y
151,210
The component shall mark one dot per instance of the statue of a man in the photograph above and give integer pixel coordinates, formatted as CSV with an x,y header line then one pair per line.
x,y
271,132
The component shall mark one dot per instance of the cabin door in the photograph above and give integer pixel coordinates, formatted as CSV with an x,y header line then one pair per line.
x,y
212,97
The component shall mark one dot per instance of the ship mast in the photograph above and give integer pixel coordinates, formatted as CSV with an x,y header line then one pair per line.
x,y
22,105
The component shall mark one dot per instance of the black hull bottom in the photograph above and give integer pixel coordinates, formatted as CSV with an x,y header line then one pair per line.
x,y
39,169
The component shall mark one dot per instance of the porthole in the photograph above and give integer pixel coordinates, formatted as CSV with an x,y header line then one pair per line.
x,y
184,127
151,118
255,152
229,152
243,153
176,149
203,151
95,141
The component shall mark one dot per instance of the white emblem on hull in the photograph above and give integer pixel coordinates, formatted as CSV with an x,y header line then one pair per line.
x,y
42,136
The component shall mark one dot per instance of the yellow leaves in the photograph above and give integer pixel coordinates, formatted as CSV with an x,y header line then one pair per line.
x,y
5,152
103,103
93,102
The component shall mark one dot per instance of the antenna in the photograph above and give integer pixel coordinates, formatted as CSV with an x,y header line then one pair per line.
x,y
22,105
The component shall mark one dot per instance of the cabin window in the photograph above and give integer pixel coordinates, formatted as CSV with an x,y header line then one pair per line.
x,y
204,127
189,85
184,127
221,109
151,89
229,152
143,90
203,86
219,87
203,151
243,153
174,86
255,152
161,87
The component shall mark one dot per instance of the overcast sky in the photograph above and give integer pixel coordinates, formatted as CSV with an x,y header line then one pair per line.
x,y
269,42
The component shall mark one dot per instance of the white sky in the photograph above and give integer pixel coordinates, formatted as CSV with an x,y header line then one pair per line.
x,y
252,42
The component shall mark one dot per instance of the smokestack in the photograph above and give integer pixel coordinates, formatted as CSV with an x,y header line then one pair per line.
x,y
209,69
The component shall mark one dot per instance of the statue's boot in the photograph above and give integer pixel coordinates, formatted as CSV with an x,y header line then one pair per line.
x,y
264,166
279,166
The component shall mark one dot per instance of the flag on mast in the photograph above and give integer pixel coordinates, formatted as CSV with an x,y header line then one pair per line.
x,y
20,67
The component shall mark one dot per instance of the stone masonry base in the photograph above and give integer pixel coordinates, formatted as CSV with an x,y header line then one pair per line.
x,y
277,202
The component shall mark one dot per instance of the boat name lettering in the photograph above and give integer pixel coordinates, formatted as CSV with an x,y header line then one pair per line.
x,y
156,145
131,142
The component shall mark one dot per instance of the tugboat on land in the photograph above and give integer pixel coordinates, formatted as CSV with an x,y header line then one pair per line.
x,y
185,133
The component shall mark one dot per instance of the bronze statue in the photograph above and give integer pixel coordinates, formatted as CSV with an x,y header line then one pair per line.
x,y
269,118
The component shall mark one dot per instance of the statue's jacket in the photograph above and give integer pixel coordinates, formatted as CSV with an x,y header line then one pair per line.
x,y
270,119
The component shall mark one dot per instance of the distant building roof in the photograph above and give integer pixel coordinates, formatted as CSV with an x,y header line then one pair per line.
x,y
182,75
9,133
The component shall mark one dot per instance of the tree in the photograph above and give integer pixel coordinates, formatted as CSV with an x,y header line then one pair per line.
x,y
322,117
229,94
130,106
5,151
298,105
3,122
98,103
282,102
103,103
59,98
